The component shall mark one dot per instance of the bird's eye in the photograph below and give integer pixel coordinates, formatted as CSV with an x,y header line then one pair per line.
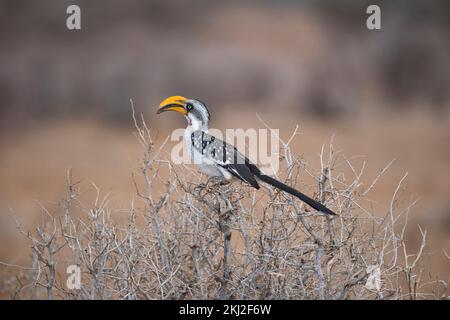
x,y
189,107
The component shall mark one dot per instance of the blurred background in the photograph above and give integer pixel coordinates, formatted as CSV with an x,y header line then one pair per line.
x,y
64,95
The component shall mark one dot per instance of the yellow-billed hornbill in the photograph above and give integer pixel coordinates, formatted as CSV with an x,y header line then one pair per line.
x,y
217,158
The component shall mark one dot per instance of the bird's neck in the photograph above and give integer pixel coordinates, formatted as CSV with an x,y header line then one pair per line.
x,y
196,125
192,127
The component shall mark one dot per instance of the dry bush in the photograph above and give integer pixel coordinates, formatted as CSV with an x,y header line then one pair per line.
x,y
192,240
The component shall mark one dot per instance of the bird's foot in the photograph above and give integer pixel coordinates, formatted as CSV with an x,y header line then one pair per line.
x,y
214,182
211,183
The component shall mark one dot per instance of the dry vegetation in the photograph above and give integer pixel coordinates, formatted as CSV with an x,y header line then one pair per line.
x,y
287,62
208,241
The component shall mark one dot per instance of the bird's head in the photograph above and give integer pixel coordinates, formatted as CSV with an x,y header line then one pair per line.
x,y
195,111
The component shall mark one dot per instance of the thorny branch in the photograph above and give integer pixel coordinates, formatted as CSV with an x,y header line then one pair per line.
x,y
188,240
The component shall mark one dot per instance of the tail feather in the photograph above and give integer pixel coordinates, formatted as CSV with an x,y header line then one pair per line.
x,y
313,203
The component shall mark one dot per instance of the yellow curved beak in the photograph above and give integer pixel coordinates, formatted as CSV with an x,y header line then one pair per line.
x,y
173,103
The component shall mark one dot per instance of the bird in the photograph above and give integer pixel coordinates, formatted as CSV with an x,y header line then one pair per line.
x,y
221,160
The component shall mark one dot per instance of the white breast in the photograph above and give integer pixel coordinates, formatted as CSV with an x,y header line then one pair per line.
x,y
204,164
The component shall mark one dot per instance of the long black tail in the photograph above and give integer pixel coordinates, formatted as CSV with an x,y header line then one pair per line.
x,y
277,184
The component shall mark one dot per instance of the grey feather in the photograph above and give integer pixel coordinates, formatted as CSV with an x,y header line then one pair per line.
x,y
224,155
